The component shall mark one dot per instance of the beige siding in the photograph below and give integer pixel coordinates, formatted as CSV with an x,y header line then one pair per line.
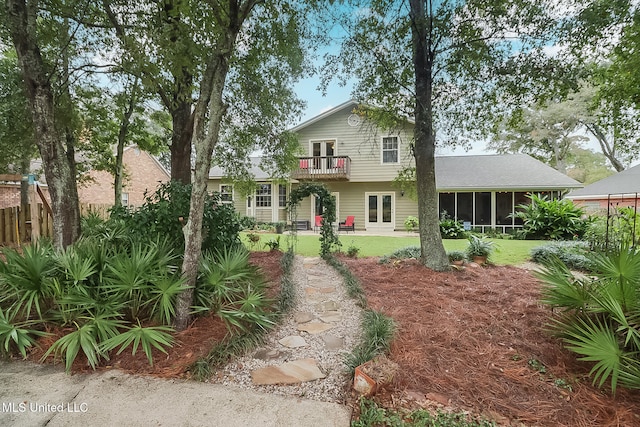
x,y
352,201
361,143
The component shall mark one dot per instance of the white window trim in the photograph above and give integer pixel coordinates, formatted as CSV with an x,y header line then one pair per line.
x,y
335,145
232,193
286,195
258,195
382,150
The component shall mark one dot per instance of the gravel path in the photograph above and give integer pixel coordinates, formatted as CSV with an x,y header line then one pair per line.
x,y
321,300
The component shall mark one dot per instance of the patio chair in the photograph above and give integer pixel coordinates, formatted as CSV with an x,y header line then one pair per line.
x,y
348,225
318,223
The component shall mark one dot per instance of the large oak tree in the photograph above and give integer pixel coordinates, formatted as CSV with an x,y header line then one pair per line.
x,y
453,65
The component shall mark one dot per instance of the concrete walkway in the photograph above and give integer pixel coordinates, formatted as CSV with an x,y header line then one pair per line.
x,y
42,395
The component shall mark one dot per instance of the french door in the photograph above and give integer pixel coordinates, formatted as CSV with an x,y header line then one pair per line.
x,y
323,152
380,211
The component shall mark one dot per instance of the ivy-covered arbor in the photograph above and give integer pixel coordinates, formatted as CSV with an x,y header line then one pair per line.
x,y
328,210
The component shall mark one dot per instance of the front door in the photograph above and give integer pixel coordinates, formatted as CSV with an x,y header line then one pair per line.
x,y
380,211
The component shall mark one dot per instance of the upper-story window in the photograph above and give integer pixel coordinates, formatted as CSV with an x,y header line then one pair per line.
x,y
263,196
390,149
226,193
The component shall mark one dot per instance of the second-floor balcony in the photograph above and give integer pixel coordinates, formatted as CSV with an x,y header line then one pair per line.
x,y
323,167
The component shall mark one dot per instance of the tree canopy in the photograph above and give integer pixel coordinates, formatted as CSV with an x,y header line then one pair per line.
x,y
454,66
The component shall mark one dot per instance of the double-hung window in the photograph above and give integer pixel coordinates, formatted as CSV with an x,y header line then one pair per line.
x,y
226,193
390,149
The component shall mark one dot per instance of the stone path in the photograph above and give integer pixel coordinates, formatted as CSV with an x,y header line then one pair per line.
x,y
305,355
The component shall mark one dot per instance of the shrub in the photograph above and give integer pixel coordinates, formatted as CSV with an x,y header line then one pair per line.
x,y
273,244
352,251
456,256
402,253
551,219
247,222
572,253
162,211
614,232
450,228
411,223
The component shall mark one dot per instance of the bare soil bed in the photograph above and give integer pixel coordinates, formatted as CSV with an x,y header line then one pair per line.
x,y
476,340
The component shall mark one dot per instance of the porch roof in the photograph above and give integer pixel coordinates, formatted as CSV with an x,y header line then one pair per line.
x,y
498,172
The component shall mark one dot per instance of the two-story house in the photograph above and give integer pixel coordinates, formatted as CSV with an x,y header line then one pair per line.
x,y
358,162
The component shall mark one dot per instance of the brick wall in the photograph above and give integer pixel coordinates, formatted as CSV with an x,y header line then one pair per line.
x,y
142,171
10,195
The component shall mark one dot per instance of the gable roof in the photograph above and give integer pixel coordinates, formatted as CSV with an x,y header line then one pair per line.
x,y
625,182
498,171
349,104
218,172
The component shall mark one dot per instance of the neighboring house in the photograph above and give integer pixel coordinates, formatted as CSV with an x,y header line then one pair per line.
x,y
358,163
621,189
10,186
143,172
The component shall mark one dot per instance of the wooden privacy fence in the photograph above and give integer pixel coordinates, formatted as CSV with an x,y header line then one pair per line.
x,y
18,225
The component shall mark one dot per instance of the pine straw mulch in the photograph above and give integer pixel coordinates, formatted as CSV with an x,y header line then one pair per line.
x,y
190,345
465,340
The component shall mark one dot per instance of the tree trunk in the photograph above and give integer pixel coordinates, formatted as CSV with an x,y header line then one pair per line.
x,y
210,108
433,254
25,170
608,150
181,140
58,162
122,139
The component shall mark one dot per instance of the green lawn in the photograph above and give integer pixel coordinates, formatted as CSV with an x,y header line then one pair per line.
x,y
509,252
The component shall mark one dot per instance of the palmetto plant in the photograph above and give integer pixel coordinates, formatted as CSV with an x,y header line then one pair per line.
x,y
231,287
26,280
16,334
146,337
601,318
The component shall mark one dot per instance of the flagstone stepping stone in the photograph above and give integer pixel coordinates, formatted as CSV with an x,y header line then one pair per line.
x,y
330,317
315,298
333,343
315,290
322,283
314,328
267,354
303,317
293,341
328,306
298,371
